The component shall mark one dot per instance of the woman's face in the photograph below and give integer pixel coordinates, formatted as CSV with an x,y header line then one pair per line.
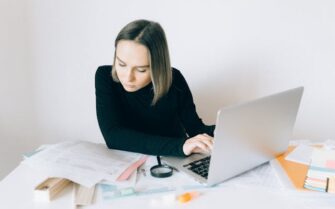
x,y
132,65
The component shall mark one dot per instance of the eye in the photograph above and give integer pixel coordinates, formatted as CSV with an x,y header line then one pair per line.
x,y
122,65
141,70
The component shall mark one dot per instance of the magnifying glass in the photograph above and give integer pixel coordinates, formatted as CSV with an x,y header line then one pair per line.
x,y
161,171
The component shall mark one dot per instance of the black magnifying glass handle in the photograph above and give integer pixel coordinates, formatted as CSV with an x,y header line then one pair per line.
x,y
159,160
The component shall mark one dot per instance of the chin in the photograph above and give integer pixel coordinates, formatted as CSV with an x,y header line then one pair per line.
x,y
130,89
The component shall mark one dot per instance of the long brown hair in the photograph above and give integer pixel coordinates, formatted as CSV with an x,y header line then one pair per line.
x,y
151,35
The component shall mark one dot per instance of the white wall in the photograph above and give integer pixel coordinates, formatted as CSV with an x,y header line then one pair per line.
x,y
17,114
229,51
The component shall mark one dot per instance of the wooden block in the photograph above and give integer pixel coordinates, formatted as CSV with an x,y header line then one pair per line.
x,y
83,195
48,189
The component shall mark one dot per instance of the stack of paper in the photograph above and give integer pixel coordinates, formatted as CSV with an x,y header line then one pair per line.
x,y
321,172
82,162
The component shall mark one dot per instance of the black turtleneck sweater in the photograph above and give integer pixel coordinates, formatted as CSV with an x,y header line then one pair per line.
x,y
129,122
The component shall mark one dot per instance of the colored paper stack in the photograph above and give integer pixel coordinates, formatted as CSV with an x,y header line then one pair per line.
x,y
321,172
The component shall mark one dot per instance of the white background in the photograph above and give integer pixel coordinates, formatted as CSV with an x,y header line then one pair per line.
x,y
229,51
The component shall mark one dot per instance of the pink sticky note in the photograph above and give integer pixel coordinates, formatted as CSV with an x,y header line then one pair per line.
x,y
330,164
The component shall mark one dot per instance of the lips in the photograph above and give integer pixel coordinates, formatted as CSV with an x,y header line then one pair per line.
x,y
130,86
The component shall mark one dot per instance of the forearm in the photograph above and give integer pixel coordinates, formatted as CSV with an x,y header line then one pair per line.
x,y
130,140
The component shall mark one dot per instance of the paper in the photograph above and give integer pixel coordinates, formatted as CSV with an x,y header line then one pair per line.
x,y
111,190
85,163
329,144
262,176
148,184
301,154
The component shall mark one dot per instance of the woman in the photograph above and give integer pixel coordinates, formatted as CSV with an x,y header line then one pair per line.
x,y
143,104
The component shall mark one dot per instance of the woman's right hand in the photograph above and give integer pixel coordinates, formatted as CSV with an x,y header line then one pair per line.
x,y
201,143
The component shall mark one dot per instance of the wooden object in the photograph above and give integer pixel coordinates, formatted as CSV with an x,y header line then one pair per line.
x,y
48,189
83,195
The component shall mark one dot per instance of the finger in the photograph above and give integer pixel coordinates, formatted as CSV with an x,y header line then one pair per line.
x,y
198,150
203,146
208,140
209,143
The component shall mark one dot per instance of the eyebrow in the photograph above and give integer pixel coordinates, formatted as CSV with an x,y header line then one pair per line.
x,y
140,66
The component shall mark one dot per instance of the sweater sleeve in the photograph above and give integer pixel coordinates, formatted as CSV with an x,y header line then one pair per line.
x,y
117,136
189,117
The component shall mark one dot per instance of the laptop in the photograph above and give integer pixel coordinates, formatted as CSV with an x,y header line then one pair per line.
x,y
246,136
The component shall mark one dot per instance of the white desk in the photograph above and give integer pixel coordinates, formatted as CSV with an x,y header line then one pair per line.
x,y
16,192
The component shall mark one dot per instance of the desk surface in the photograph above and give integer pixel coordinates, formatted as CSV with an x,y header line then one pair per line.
x,y
16,191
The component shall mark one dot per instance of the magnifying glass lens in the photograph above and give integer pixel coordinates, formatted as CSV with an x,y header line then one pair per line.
x,y
160,170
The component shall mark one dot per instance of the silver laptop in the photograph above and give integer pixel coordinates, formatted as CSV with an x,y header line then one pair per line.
x,y
246,136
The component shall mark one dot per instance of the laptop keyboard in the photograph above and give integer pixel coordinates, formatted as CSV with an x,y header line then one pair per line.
x,y
200,167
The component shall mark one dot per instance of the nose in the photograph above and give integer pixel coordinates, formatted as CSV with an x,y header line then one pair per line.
x,y
130,75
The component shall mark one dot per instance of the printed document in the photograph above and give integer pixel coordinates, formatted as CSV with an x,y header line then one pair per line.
x,y
83,162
